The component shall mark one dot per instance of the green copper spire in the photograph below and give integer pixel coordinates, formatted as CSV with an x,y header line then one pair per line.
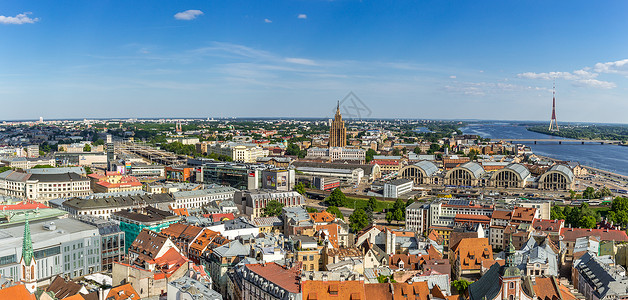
x,y
510,269
27,244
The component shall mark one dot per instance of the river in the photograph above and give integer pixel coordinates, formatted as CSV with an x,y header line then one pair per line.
x,y
611,158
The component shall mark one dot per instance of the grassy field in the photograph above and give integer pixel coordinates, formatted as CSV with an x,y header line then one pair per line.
x,y
361,203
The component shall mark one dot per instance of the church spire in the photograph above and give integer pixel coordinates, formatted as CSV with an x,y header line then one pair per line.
x,y
27,244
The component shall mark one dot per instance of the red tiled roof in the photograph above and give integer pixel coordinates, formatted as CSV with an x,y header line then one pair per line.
x,y
322,290
548,288
16,292
471,252
548,225
123,292
322,217
332,233
288,279
23,205
571,234
523,214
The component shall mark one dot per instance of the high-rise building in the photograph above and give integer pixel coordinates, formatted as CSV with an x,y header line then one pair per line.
x,y
110,153
338,132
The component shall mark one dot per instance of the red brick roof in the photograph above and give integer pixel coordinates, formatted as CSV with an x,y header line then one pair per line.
x,y
288,279
571,234
548,225
523,214
322,217
471,252
123,292
16,292
333,290
548,288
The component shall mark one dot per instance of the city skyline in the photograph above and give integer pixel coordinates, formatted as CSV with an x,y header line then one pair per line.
x,y
433,60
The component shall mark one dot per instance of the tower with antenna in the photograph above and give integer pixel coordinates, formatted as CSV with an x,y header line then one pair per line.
x,y
553,126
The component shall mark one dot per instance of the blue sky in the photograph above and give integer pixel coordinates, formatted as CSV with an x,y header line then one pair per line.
x,y
406,59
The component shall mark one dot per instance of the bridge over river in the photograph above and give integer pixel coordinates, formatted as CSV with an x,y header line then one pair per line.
x,y
559,141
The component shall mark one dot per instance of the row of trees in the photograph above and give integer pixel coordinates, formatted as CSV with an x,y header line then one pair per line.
x,y
580,216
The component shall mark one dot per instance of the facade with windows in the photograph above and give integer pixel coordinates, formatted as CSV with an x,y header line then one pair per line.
x,y
511,176
420,173
198,198
467,174
65,247
43,186
558,177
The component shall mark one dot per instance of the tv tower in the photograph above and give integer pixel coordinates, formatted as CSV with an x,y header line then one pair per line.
x,y
553,124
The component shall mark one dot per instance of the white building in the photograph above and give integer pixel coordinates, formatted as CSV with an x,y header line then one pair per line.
x,y
253,202
397,187
443,213
198,198
25,163
239,152
345,175
43,186
337,153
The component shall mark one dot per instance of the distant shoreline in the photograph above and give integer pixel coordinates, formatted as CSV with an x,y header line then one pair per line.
x,y
589,168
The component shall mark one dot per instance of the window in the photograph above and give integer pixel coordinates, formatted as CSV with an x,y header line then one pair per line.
x,y
512,286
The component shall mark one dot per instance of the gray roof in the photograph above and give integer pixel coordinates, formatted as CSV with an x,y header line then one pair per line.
x,y
473,167
58,177
204,192
77,170
399,181
368,169
565,170
231,249
195,288
67,229
520,169
14,176
93,202
427,166
486,287
606,280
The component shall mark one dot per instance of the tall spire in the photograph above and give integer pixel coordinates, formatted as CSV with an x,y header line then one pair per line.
x,y
553,123
27,244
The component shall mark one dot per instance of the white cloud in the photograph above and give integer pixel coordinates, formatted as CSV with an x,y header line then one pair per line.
x,y
586,77
22,18
300,61
188,14
620,67
452,76
267,21
302,16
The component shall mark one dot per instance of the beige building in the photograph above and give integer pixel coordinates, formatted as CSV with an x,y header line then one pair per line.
x,y
337,132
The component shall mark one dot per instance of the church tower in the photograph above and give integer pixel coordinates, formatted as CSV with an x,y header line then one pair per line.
x,y
337,132
511,277
28,275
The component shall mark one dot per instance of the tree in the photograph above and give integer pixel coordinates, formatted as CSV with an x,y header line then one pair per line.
x,y
4,169
389,217
399,210
369,154
473,154
42,167
587,222
589,193
556,213
99,142
417,150
334,210
358,220
88,170
294,149
273,209
336,198
87,148
460,285
372,203
409,202
572,194
619,204
300,188
433,148
604,192
311,209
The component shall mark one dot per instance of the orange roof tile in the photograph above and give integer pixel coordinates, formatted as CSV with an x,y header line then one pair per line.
x,y
322,290
332,233
16,292
123,292
322,217
523,214
471,252
288,279
571,234
548,288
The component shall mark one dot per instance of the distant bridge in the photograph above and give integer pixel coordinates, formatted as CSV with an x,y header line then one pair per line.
x,y
559,141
